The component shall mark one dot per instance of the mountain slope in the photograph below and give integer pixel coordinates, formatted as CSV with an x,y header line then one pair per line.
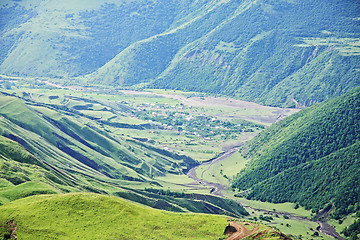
x,y
37,128
78,38
274,52
284,53
312,157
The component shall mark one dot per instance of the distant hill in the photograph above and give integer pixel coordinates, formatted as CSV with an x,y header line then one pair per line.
x,y
283,53
311,157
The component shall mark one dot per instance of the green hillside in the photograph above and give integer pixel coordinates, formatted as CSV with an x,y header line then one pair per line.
x,y
283,53
87,148
91,216
94,216
311,157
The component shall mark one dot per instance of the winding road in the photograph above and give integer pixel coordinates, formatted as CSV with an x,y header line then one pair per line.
x,y
217,189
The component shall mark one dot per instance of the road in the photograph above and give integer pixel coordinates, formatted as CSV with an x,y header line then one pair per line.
x,y
217,189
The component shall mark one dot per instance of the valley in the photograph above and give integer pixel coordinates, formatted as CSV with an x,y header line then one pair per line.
x,y
180,119
129,115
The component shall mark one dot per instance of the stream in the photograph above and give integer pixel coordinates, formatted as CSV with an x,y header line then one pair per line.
x,y
217,189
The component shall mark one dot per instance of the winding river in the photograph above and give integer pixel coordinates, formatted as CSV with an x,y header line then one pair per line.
x,y
217,189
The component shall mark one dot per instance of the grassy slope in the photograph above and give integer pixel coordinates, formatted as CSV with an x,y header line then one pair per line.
x,y
89,32
22,175
99,151
311,157
91,216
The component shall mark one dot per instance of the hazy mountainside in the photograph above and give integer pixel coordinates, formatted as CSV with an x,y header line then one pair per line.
x,y
69,38
311,157
45,150
274,52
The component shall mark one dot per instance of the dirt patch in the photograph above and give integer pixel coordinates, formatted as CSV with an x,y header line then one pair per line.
x,y
11,226
241,230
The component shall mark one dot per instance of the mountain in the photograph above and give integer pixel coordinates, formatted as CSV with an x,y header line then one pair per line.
x,y
283,53
311,157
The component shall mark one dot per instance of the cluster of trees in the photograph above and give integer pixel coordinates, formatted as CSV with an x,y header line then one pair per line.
x,y
353,231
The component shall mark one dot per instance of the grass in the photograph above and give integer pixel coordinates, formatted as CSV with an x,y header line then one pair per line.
x,y
232,165
279,207
91,216
291,227
177,179
347,221
11,193
222,171
180,183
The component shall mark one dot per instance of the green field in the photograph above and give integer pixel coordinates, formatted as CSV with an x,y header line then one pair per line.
x,y
222,171
294,228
